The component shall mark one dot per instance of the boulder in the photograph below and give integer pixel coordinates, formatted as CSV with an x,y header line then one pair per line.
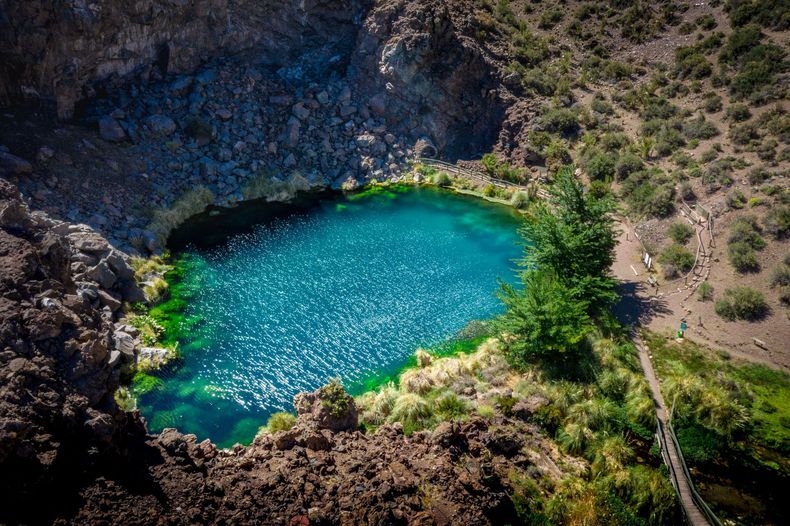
x,y
329,407
111,130
124,343
12,165
300,112
378,104
161,125
102,274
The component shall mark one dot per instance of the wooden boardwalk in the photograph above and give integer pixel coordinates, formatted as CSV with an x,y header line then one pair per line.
x,y
476,175
695,510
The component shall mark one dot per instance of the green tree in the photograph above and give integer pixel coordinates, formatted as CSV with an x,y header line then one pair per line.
x,y
574,238
542,319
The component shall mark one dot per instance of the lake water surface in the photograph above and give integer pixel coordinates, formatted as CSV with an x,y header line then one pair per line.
x,y
342,287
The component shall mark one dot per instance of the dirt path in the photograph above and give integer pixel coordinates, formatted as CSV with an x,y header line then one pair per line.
x,y
663,308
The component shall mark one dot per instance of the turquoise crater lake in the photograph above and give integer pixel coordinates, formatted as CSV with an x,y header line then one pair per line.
x,y
343,287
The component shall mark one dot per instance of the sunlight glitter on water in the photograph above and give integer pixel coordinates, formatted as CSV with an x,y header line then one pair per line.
x,y
341,291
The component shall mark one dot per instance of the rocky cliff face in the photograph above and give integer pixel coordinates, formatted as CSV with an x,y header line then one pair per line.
x,y
422,69
68,50
59,360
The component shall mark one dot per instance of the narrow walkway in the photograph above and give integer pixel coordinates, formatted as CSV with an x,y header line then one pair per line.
x,y
668,450
476,175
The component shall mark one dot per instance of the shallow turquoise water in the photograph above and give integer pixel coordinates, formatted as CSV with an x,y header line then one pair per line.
x,y
348,288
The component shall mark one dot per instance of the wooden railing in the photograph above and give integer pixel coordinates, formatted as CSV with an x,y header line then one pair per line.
x,y
476,175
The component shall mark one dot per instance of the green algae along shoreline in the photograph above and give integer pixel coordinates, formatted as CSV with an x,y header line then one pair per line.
x,y
175,330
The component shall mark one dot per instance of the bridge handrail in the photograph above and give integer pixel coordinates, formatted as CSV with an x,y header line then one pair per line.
x,y
695,496
472,174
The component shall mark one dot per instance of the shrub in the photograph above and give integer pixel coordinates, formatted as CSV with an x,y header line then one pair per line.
x,y
441,179
743,134
742,303
601,106
156,290
743,257
745,229
777,221
680,232
758,175
699,128
550,18
738,113
690,63
449,406
712,103
520,200
490,163
677,259
411,410
668,139
627,164
150,329
735,199
705,291
706,22
601,166
560,120
489,191
335,398
781,277
280,422
650,193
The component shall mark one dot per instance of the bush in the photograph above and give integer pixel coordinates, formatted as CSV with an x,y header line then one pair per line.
x,y
560,120
745,229
650,193
280,422
601,106
705,291
738,113
668,139
699,128
489,191
690,63
677,259
550,18
519,200
758,175
627,164
742,303
680,232
441,179
712,103
600,166
781,277
777,221
743,257
735,199
743,134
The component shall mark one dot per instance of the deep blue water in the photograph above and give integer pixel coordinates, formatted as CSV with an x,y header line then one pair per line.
x,y
347,288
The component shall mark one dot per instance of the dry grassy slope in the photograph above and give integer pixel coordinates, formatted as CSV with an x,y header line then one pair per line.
x,y
653,55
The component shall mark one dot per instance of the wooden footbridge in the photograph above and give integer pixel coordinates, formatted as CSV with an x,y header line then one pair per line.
x,y
477,176
695,509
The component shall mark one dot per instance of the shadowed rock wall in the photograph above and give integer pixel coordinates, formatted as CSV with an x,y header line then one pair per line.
x,y
60,50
